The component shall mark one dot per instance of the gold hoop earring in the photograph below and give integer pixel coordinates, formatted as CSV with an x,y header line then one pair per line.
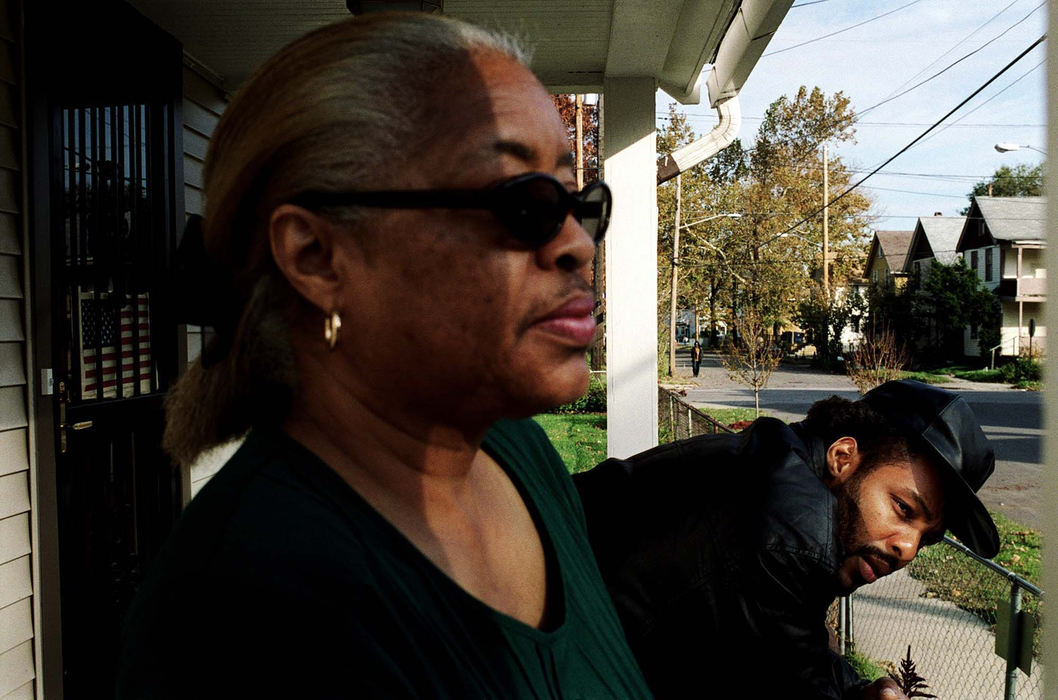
x,y
331,324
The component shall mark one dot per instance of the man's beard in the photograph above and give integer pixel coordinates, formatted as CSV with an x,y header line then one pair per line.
x,y
852,531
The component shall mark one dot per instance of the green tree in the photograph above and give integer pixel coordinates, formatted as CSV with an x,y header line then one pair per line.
x,y
702,273
770,259
782,190
1020,181
950,298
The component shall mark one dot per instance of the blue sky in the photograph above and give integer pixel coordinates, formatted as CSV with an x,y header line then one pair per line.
x,y
883,57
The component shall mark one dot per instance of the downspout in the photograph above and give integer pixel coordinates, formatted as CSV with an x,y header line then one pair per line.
x,y
751,27
730,113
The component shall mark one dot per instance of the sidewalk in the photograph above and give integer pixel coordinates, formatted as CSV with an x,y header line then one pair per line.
x,y
953,650
791,374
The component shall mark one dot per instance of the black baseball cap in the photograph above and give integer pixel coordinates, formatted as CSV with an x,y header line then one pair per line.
x,y
942,423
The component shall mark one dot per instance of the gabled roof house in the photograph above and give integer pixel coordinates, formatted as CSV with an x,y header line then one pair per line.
x,y
933,240
886,257
1004,241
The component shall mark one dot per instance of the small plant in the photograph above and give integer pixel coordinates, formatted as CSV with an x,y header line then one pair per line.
x,y
912,684
754,356
878,359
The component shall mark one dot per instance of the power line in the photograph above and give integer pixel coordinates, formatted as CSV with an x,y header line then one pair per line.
x,y
840,31
947,67
924,194
921,136
998,93
854,119
977,125
956,44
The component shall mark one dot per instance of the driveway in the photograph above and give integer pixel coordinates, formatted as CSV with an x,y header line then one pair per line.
x,y
1011,419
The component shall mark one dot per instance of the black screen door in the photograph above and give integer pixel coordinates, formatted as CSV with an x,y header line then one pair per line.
x,y
110,87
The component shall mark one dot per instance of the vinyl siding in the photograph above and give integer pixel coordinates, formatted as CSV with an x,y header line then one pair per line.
x,y
17,661
203,105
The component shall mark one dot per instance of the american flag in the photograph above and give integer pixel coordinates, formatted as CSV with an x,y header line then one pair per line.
x,y
109,336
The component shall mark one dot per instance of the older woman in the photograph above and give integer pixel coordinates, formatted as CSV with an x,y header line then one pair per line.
x,y
401,268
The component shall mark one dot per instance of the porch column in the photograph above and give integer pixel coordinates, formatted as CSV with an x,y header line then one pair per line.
x,y
1021,324
630,168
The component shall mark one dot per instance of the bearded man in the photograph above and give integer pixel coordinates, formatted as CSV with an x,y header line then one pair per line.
x,y
722,553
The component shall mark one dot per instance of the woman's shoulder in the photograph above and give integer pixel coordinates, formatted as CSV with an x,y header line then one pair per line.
x,y
273,506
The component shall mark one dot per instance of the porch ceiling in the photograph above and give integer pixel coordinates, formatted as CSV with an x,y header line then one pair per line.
x,y
576,43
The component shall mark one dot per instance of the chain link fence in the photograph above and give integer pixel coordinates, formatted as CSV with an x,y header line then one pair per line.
x,y
950,605
677,419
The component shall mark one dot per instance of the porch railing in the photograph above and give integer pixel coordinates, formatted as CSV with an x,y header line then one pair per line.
x,y
677,419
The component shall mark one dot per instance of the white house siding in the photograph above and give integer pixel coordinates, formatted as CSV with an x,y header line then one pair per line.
x,y
1032,263
17,633
203,104
982,257
1013,342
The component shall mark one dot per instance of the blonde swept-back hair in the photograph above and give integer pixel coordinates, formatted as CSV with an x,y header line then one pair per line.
x,y
330,111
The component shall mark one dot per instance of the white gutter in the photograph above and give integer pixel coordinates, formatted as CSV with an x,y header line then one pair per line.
x,y
742,46
730,114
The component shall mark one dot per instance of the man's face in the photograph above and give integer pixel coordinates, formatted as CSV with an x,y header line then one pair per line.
x,y
885,514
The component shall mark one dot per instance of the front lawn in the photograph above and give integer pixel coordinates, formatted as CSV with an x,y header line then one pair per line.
x,y
951,575
580,438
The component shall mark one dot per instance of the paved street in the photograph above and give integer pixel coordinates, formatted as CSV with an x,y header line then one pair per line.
x,y
1012,420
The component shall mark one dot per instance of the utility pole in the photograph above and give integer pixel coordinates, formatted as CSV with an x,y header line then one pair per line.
x,y
826,224
675,270
579,148
597,265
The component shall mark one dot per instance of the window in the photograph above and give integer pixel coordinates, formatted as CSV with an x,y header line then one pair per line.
x,y
973,331
973,260
988,264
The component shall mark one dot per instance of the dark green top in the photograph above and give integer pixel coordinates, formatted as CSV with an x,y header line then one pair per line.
x,y
280,580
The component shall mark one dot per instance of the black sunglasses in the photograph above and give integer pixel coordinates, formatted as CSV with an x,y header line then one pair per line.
x,y
533,207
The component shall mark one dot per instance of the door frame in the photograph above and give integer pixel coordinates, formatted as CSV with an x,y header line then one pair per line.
x,y
40,28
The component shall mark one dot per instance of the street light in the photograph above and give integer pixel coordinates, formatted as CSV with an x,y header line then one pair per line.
x,y
675,269
1007,147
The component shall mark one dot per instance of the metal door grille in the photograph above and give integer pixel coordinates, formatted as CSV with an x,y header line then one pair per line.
x,y
108,214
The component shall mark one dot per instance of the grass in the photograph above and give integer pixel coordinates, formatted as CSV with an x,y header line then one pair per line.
x,y
727,416
865,666
979,375
580,438
943,374
931,377
952,576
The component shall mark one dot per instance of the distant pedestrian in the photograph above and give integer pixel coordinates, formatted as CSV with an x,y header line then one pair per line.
x,y
696,358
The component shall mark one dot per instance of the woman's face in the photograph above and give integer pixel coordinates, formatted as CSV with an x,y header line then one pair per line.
x,y
446,310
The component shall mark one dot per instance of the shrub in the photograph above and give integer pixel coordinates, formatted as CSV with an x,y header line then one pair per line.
x,y
593,401
1022,369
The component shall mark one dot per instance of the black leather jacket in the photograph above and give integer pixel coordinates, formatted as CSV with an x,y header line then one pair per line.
x,y
720,553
